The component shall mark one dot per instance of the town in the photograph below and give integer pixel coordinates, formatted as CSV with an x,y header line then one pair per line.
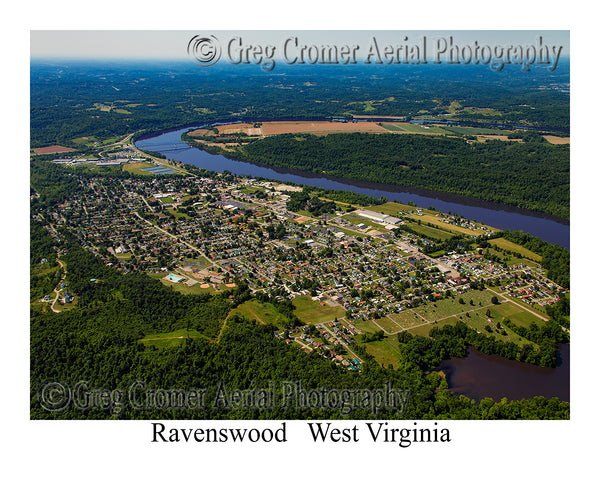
x,y
354,276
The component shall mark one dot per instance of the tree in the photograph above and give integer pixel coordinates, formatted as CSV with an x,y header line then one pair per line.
x,y
494,300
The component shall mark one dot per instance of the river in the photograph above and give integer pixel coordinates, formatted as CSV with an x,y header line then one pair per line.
x,y
479,376
548,228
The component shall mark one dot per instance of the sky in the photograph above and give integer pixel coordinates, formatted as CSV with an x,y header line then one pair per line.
x,y
172,44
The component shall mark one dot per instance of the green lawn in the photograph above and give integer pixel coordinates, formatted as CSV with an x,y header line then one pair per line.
x,y
313,312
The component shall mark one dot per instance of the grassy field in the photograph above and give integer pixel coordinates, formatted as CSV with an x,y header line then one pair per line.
x,y
392,208
513,247
477,320
387,324
449,311
407,319
385,351
313,312
178,214
261,312
436,233
533,307
517,315
452,306
414,128
511,259
88,141
194,289
170,339
137,168
429,218
475,131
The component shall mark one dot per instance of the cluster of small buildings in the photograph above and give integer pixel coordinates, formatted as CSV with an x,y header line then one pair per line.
x,y
158,224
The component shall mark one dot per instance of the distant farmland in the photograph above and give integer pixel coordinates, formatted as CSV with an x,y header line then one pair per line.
x,y
265,129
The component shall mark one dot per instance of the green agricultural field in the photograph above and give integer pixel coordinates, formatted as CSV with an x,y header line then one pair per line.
x,y
392,127
505,244
414,128
309,311
436,233
261,312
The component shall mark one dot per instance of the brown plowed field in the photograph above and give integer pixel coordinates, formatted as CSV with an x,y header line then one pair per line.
x,y
320,128
52,149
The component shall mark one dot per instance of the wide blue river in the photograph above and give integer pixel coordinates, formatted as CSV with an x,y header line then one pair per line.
x,y
551,229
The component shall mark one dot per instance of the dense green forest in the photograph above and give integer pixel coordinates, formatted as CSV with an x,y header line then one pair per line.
x,y
532,175
71,100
